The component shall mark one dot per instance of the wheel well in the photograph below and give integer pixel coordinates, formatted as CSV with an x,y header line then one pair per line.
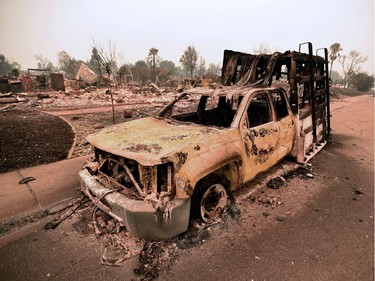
x,y
213,177
228,175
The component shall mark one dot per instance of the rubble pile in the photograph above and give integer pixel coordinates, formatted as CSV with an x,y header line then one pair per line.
x,y
48,90
83,98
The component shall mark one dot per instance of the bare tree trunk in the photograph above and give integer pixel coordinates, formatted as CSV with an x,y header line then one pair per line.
x,y
112,104
153,69
113,109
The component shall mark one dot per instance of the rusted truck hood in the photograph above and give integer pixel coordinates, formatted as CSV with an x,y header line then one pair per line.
x,y
149,140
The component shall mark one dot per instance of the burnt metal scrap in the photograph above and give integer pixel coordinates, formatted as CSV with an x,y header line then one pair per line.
x,y
248,70
154,174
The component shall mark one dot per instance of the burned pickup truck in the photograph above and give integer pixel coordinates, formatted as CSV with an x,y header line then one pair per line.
x,y
154,174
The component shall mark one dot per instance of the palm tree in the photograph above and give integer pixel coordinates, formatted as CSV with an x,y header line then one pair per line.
x,y
153,59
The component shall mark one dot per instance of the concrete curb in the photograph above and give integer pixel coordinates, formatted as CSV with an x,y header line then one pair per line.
x,y
53,183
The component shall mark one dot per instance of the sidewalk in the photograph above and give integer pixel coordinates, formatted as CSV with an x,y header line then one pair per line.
x,y
53,182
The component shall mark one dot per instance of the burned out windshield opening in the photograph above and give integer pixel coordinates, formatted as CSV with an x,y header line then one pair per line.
x,y
204,110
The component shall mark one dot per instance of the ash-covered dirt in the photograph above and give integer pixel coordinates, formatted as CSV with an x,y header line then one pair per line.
x,y
30,138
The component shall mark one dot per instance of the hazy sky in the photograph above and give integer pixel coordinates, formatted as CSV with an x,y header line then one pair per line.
x,y
31,27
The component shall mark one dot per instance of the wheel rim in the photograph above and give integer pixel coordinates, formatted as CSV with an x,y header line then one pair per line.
x,y
213,203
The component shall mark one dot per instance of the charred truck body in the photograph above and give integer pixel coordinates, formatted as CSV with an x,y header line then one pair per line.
x,y
153,174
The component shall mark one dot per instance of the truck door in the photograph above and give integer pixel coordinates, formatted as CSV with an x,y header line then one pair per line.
x,y
284,117
260,133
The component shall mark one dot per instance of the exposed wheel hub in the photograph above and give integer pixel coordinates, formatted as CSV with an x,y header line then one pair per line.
x,y
213,203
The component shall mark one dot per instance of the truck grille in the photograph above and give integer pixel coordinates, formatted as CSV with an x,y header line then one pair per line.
x,y
128,175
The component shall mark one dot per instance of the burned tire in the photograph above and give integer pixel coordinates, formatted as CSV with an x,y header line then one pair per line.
x,y
209,200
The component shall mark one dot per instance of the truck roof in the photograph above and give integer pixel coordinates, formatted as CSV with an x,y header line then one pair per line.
x,y
227,91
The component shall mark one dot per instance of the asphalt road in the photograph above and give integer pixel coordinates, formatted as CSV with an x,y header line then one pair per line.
x,y
321,229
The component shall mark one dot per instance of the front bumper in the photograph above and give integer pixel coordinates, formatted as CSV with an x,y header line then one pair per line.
x,y
139,217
